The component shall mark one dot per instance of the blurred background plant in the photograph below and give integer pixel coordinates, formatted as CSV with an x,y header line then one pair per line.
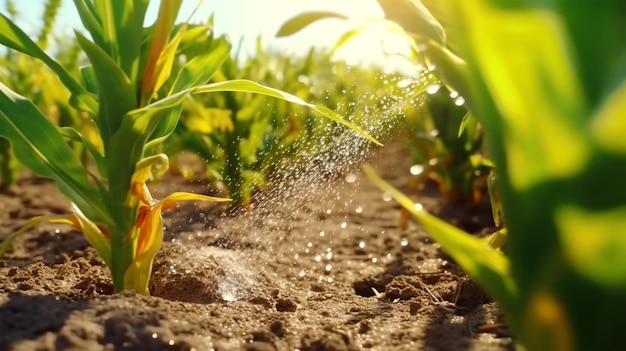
x,y
21,72
245,140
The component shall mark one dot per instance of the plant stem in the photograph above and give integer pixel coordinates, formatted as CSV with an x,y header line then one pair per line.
x,y
122,254
122,249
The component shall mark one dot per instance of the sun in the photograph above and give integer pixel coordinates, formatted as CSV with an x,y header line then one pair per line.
x,y
376,44
381,44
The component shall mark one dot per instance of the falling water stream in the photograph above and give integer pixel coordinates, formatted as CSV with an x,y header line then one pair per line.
x,y
310,206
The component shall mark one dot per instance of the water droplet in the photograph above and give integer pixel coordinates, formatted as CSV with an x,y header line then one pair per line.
x,y
296,256
433,162
318,258
387,197
404,83
351,178
344,225
155,335
404,242
432,265
57,231
228,297
374,259
454,94
309,244
359,209
328,267
329,211
433,88
322,233
362,244
459,101
171,342
418,207
417,169
301,273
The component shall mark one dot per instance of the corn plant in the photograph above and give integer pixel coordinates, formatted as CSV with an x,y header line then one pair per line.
x,y
442,152
548,82
134,94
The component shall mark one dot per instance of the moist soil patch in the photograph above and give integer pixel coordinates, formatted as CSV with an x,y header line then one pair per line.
x,y
316,264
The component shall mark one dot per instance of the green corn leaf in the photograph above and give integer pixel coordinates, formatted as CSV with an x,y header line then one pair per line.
x,y
98,157
166,127
197,71
297,23
246,86
597,35
89,79
129,19
91,20
6,243
104,10
196,40
39,146
452,71
413,16
122,32
464,122
13,37
117,95
489,267
94,235
202,67
540,143
349,35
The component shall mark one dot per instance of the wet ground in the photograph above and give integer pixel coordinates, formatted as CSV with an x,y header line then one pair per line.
x,y
322,264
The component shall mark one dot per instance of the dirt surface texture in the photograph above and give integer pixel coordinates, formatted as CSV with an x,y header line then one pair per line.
x,y
318,263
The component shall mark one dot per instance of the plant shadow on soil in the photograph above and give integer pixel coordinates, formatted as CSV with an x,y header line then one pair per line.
x,y
323,268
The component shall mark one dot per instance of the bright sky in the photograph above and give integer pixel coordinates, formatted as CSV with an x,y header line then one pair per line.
x,y
251,18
